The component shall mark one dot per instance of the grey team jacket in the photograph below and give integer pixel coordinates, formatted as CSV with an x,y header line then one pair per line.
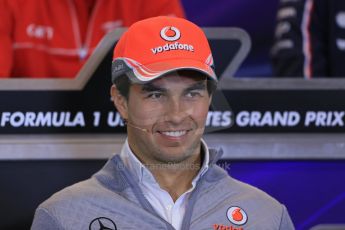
x,y
111,199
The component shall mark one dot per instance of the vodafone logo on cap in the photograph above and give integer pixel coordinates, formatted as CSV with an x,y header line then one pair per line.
x,y
170,33
237,215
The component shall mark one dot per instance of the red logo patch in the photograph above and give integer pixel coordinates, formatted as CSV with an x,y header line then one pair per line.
x,y
237,215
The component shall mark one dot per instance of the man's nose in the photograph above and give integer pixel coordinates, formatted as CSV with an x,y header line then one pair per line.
x,y
176,110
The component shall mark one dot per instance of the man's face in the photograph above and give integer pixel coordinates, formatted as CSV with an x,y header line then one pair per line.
x,y
173,109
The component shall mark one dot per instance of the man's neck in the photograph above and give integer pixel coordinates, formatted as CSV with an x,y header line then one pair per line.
x,y
177,178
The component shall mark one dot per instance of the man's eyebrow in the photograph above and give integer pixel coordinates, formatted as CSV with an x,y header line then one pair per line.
x,y
149,87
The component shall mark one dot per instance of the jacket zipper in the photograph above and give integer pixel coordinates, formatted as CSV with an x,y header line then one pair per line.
x,y
139,194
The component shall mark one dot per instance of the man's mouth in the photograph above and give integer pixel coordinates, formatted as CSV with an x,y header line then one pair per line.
x,y
178,133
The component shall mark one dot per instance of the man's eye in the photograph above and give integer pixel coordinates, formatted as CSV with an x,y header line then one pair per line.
x,y
193,94
155,95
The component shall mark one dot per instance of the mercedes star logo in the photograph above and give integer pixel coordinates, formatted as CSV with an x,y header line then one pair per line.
x,y
102,223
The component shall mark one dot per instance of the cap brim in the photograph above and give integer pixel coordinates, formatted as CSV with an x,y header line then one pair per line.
x,y
146,73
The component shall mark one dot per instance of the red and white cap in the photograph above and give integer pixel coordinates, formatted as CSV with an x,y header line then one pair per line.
x,y
153,47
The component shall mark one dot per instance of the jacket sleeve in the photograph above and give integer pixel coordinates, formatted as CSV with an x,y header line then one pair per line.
x,y
300,47
5,40
44,221
286,222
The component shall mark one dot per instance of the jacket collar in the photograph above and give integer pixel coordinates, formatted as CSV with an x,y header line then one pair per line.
x,y
115,174
142,174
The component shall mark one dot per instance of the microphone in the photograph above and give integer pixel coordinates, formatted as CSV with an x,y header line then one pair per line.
x,y
136,127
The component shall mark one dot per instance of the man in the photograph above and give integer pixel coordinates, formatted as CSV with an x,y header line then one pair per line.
x,y
165,176
53,39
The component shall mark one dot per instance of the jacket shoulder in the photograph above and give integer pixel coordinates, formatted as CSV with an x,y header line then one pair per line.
x,y
75,205
219,196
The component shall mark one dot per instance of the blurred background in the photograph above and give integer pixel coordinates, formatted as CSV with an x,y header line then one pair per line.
x,y
256,19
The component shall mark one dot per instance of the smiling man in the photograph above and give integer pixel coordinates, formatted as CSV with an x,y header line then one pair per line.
x,y
165,176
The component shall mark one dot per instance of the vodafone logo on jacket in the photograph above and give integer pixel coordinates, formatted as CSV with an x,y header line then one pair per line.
x,y
237,215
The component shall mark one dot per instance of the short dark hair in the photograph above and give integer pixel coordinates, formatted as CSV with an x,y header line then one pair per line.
x,y
123,83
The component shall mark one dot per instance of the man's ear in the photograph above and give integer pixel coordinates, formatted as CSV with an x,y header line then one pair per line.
x,y
119,101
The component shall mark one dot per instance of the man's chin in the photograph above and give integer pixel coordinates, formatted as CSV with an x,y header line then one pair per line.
x,y
174,156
